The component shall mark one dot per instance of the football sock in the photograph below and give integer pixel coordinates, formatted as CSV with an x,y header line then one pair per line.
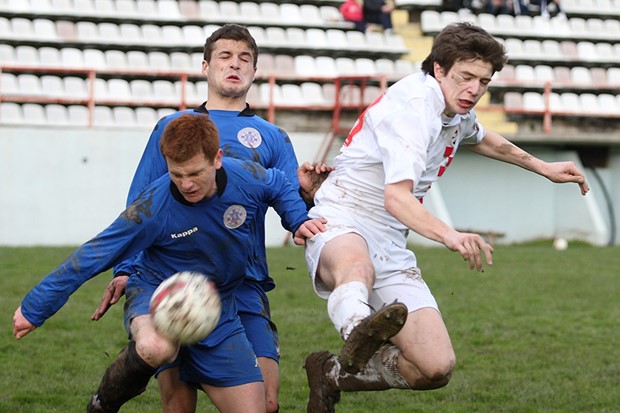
x,y
124,379
381,373
347,305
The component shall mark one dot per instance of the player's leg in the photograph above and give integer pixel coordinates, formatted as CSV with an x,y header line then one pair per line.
x,y
130,372
228,373
176,396
255,314
343,272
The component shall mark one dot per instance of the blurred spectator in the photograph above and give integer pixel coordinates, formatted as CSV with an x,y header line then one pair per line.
x,y
379,12
352,11
546,8
496,7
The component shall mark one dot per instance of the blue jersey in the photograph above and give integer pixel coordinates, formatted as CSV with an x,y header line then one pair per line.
x,y
211,236
243,135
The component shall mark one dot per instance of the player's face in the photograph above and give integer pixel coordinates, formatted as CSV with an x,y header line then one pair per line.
x,y
230,72
195,178
463,85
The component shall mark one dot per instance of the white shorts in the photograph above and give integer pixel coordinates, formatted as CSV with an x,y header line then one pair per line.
x,y
397,276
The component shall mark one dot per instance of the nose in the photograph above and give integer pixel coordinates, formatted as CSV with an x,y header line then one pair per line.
x,y
186,183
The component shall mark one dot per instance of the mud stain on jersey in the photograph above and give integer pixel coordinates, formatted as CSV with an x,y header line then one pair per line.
x,y
141,206
414,273
255,169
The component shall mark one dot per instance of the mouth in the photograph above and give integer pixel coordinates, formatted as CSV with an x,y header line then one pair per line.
x,y
466,104
233,77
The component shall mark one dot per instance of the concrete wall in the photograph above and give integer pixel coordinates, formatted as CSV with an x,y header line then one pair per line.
x,y
62,186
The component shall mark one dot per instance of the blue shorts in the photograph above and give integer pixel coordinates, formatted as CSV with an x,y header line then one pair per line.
x,y
230,363
255,313
137,299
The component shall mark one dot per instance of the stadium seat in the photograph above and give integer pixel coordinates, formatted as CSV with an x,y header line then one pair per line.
x,y
570,102
87,31
265,65
126,8
269,94
581,75
137,60
130,32
146,117
26,55
346,66
115,60
72,57
63,7
608,104
8,84
21,28
513,101
305,66
56,115
525,74
317,39
11,113
326,66
141,90
312,93
182,61
111,33
230,9
613,76
405,67
169,9
78,115
291,14
152,35
75,87
160,61
105,8
209,9
555,103
44,29
7,54
253,97
94,58
174,36
385,66
250,12
371,93
119,90
311,14
52,86
290,95
330,13
562,75
103,116
189,10
533,102
29,84
296,37
124,116
544,73
588,103
34,113
100,89
50,56
147,9
599,76
193,35
163,91
587,52
285,65
365,67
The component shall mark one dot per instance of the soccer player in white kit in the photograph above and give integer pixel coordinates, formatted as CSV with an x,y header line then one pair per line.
x,y
394,333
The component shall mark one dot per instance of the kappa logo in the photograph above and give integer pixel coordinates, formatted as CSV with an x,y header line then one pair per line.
x,y
184,233
250,138
234,216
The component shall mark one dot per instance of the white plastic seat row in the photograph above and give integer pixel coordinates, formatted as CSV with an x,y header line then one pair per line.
x,y
68,57
566,50
505,25
33,114
568,103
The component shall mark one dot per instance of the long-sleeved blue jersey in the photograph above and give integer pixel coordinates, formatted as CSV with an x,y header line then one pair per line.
x,y
243,135
169,235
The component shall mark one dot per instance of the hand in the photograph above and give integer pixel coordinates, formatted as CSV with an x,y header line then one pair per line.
x,y
309,229
113,292
21,326
561,172
310,177
471,247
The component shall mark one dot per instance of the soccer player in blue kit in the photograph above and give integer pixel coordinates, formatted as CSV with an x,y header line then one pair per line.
x,y
230,60
198,217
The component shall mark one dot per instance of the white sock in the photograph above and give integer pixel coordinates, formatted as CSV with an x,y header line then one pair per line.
x,y
347,305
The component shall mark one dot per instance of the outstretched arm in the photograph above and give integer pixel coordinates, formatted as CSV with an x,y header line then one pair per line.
x,y
310,177
113,292
497,147
400,202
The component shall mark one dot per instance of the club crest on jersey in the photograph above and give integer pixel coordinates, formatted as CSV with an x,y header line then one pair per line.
x,y
250,138
234,216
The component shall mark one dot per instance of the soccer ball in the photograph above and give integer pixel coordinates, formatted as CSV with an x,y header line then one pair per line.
x,y
186,307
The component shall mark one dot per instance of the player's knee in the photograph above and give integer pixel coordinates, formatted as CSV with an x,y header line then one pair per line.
x,y
436,375
156,352
272,406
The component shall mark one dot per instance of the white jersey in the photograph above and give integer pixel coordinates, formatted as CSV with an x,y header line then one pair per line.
x,y
401,136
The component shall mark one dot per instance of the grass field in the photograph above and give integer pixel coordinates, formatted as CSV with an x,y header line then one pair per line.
x,y
537,332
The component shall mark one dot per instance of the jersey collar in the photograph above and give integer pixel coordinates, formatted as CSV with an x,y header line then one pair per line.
x,y
245,112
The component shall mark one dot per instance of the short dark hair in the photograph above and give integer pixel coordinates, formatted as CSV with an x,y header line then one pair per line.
x,y
231,32
464,41
189,135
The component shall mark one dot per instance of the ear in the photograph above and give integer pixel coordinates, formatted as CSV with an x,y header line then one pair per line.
x,y
217,162
439,71
205,67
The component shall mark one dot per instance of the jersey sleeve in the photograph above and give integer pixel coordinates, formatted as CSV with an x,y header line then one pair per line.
x,y
152,165
130,233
